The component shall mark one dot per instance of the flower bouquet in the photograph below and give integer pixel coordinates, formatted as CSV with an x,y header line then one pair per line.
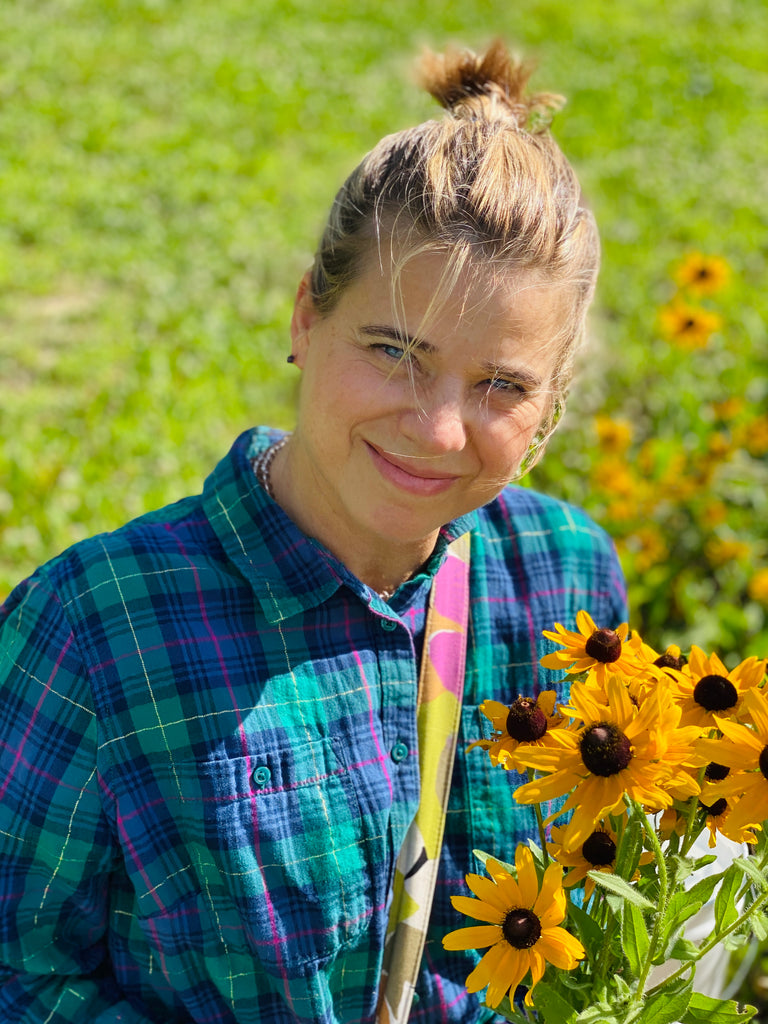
x,y
651,752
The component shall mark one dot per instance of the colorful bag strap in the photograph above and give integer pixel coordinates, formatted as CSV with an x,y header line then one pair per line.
x,y
438,716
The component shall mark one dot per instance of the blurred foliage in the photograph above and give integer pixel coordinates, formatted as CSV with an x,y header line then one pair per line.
x,y
166,169
673,461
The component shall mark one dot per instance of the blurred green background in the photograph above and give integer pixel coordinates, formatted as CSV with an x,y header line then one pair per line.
x,y
166,167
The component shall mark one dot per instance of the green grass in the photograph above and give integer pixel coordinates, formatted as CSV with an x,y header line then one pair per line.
x,y
166,168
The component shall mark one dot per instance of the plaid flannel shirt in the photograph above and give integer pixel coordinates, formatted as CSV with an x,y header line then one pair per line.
x,y
209,758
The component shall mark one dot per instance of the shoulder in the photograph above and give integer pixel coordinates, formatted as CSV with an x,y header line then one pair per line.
x,y
109,568
535,521
536,545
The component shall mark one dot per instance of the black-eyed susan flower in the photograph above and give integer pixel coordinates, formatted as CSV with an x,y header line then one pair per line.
x,y
624,750
521,929
527,720
702,275
599,648
705,688
744,750
688,326
717,810
596,853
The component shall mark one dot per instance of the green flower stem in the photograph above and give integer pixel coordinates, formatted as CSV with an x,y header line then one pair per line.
x,y
539,822
664,897
693,804
713,941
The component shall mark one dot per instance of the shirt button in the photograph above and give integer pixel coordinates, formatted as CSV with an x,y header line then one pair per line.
x,y
399,752
388,624
262,775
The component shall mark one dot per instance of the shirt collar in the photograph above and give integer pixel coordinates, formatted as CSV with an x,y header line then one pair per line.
x,y
289,572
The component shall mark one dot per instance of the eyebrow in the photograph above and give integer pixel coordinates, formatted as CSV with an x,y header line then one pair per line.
x,y
525,376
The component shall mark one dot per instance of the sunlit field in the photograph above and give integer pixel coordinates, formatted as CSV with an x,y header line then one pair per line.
x,y
166,168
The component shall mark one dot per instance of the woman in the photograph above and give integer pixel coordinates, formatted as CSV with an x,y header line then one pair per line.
x,y
209,741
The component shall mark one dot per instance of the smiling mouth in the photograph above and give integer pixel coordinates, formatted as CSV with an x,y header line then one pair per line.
x,y
398,470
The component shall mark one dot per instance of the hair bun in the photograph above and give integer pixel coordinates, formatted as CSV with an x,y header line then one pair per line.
x,y
492,85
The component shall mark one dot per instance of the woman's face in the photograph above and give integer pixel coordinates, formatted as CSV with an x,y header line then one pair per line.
x,y
392,446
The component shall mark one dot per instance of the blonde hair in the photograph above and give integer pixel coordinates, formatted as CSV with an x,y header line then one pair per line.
x,y
486,184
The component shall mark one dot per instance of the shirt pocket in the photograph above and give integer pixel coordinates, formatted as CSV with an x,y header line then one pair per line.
x,y
271,858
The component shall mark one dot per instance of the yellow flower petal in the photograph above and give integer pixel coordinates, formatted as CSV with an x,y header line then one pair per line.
x,y
487,890
478,909
476,937
487,968
526,876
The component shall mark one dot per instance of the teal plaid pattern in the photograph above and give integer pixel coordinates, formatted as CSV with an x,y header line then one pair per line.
x,y
209,758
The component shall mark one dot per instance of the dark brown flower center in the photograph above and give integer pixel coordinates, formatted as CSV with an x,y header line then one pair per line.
x,y
716,772
526,721
763,762
605,750
604,645
715,693
668,660
599,850
521,928
717,808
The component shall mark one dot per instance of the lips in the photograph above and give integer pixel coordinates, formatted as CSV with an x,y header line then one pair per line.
x,y
400,472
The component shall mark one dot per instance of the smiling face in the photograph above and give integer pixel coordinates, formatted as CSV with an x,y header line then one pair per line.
x,y
410,415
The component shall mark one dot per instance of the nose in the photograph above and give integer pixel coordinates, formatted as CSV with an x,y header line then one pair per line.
x,y
438,421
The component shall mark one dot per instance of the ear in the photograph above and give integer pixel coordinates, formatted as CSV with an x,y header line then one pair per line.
x,y
304,316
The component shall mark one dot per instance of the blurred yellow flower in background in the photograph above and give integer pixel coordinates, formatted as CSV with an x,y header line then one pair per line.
x,y
754,436
720,551
758,587
688,326
614,436
702,275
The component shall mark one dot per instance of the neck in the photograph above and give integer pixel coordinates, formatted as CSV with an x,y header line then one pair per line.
x,y
380,562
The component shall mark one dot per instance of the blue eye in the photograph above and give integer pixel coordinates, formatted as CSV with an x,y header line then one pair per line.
x,y
500,384
392,352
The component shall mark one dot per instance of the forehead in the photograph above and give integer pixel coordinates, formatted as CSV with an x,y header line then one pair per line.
x,y
428,292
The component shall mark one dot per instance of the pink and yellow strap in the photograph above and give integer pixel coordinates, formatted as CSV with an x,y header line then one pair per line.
x,y
438,715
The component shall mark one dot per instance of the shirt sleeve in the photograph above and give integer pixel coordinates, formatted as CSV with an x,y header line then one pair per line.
x,y
56,847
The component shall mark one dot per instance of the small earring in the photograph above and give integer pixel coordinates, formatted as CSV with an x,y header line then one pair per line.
x,y
291,359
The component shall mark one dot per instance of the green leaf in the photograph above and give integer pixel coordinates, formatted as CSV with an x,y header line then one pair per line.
x,y
726,911
702,891
550,1006
748,867
482,856
589,931
680,909
597,1015
683,950
759,925
618,887
508,1012
666,1007
682,906
705,1010
634,937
